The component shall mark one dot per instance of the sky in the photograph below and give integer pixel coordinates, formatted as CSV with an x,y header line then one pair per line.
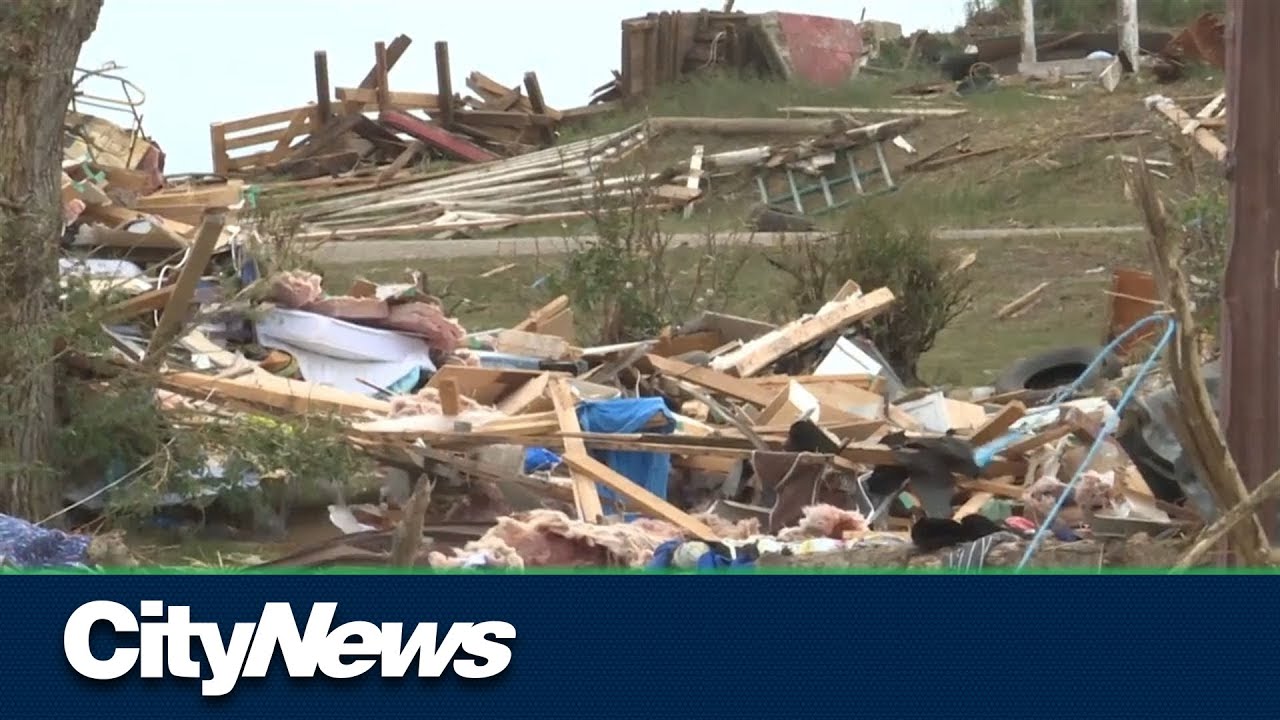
x,y
203,61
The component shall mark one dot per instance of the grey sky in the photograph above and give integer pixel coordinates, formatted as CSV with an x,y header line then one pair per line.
x,y
200,61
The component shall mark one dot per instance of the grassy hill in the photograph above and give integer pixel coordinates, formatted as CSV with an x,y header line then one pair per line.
x,y
1051,170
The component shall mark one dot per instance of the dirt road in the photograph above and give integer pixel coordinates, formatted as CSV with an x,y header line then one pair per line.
x,y
369,251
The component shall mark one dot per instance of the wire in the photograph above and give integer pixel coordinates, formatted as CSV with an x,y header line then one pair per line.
x,y
1110,424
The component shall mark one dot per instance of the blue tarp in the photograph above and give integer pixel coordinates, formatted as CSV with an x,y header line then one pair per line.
x,y
537,459
26,545
664,555
630,415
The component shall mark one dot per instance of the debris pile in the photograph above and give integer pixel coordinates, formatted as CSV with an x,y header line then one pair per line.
x,y
723,442
335,134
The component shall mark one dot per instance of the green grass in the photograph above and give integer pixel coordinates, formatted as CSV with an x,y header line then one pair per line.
x,y
1047,174
1072,310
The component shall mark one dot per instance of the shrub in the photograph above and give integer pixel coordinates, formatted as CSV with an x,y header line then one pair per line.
x,y
875,252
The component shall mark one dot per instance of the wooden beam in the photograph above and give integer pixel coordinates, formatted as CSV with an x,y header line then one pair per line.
x,y
370,82
999,423
324,110
717,382
262,389
396,100
585,494
175,310
382,89
149,301
401,162
538,105
762,352
444,84
595,471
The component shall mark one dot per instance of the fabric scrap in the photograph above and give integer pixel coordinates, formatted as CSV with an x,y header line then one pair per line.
x,y
26,545
649,470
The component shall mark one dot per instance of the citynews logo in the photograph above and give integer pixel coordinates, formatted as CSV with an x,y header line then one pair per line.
x,y
347,651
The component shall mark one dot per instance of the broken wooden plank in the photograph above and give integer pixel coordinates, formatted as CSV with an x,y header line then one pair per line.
x,y
395,49
1022,301
713,380
184,288
529,397
538,105
586,497
436,137
265,390
593,470
973,505
762,352
1204,138
402,160
394,100
484,385
999,423
149,301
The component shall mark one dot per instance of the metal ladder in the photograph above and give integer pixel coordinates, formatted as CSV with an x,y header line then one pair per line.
x,y
859,179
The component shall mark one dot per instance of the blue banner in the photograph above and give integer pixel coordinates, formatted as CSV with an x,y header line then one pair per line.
x,y
642,646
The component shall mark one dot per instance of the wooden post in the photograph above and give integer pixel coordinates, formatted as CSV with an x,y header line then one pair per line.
x,y
539,105
381,90
1251,289
218,145
1028,31
394,51
324,110
1129,30
444,86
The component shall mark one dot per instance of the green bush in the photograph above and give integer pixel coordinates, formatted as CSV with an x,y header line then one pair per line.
x,y
875,252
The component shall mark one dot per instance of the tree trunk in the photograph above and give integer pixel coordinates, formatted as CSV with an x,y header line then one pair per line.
x,y
39,43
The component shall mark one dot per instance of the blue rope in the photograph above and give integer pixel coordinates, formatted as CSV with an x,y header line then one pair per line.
x,y
1109,426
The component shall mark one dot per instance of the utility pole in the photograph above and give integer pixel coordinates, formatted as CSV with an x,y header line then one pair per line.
x,y
1028,31
1251,285
1129,30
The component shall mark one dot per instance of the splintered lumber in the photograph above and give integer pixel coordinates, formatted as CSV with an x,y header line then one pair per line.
x,y
265,390
594,471
529,397
435,136
1021,301
450,402
762,352
1037,441
149,301
1204,138
444,84
999,423
527,344
586,498
392,55
175,309
973,505
484,385
554,318
713,380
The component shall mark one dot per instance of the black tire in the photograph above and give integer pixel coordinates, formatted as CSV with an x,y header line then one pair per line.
x,y
1052,369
